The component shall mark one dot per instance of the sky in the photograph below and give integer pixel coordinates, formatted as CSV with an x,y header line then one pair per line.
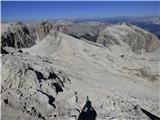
x,y
34,10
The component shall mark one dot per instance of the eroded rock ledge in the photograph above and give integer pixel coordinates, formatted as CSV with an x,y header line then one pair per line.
x,y
30,86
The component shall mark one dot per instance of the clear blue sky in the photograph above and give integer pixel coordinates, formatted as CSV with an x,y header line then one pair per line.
x,y
29,10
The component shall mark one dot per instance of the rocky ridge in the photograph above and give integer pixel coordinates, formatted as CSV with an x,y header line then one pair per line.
x,y
18,36
52,79
30,85
138,39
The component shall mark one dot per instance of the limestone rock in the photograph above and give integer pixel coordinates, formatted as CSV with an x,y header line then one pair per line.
x,y
43,28
52,79
30,86
19,36
138,39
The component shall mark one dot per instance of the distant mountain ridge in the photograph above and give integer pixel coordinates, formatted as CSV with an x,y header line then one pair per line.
x,y
21,35
150,23
138,39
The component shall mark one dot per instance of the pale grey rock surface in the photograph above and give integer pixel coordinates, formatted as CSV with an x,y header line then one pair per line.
x,y
18,35
138,39
85,30
30,85
52,79
29,91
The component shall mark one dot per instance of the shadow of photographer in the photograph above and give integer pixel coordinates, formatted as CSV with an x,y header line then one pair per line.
x,y
88,112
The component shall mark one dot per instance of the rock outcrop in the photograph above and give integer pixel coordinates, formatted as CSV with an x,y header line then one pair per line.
x,y
19,36
43,28
86,30
30,86
138,39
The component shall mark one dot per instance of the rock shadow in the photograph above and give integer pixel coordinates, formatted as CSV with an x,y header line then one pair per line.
x,y
52,76
150,115
39,76
51,98
3,51
58,88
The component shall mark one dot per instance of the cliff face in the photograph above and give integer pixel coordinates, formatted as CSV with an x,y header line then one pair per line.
x,y
23,36
86,30
138,39
43,29
19,36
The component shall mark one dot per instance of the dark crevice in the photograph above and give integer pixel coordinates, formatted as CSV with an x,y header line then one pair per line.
x,y
20,51
74,36
40,116
52,76
58,88
3,51
25,30
39,76
86,36
51,98
90,37
5,101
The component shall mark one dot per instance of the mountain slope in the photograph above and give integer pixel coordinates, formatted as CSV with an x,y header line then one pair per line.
x,y
138,39
97,71
52,79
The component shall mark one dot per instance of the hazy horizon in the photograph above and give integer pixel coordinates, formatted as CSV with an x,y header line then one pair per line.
x,y
96,19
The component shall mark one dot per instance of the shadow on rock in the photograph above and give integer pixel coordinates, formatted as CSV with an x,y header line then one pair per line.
x,y
88,112
51,98
58,88
150,115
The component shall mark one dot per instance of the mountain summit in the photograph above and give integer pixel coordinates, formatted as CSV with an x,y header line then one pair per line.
x,y
55,73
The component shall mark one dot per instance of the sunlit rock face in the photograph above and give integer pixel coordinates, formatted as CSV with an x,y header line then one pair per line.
x,y
43,28
138,39
29,91
65,77
19,36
